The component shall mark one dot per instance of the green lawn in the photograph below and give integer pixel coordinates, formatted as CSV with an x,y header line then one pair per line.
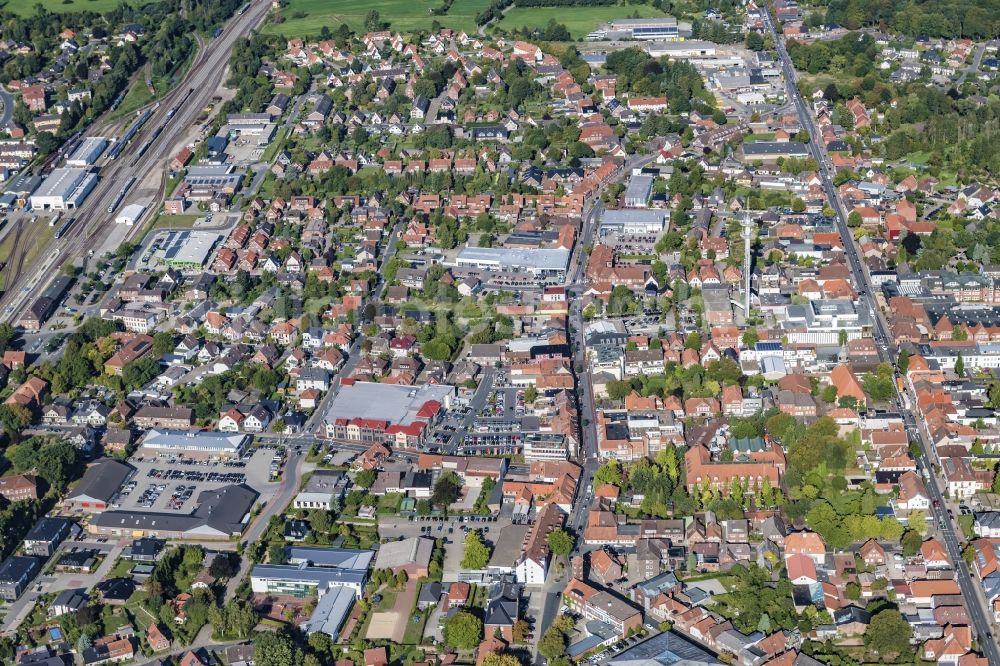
x,y
579,20
27,7
306,17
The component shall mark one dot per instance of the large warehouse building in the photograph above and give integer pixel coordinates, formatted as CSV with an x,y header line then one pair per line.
x,y
88,152
195,444
65,188
540,263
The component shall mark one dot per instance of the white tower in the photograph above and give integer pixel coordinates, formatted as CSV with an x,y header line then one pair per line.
x,y
747,241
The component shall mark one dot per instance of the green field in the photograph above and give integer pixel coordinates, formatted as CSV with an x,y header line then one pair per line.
x,y
579,20
306,17
27,7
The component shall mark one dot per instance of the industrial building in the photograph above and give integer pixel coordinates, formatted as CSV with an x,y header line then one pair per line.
x,y
540,263
632,222
665,29
65,188
88,152
130,214
99,484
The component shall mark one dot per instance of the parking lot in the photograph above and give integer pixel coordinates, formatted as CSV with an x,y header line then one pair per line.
x,y
173,483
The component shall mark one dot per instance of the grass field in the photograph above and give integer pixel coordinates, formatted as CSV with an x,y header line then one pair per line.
x,y
306,17
579,20
27,7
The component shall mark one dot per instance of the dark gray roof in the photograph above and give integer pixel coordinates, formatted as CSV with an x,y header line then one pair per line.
x,y
49,528
221,510
101,481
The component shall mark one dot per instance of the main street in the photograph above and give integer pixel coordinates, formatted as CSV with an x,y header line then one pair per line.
x,y
93,222
977,609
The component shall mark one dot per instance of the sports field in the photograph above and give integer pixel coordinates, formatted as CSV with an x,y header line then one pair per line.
x,y
27,7
579,20
307,17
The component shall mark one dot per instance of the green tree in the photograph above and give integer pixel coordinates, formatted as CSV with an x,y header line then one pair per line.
x,y
911,541
903,361
477,554
273,649
163,343
960,365
365,478
463,631
552,644
560,542
446,490
888,635
609,472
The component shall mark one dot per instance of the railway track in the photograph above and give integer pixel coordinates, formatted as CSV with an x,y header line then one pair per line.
x,y
15,260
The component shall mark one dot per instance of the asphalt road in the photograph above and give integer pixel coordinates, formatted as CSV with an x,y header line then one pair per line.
x,y
887,352
289,487
8,106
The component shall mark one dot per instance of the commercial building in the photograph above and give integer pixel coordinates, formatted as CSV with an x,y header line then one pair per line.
x,y
666,649
65,188
188,249
602,606
387,413
219,514
88,152
539,263
769,151
196,444
15,574
632,222
639,189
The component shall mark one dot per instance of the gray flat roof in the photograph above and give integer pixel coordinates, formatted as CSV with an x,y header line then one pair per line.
x,y
61,182
552,259
322,576
625,216
88,151
331,558
199,440
775,148
385,402
331,611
